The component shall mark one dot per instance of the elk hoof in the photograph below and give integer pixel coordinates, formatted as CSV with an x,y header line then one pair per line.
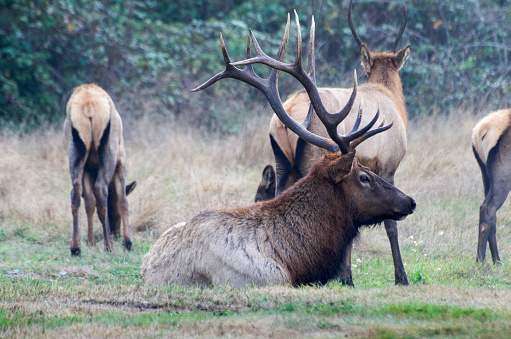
x,y
402,282
75,251
347,282
128,244
498,263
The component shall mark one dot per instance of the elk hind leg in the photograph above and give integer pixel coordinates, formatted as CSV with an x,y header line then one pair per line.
x,y
488,221
105,174
77,157
90,205
392,234
114,215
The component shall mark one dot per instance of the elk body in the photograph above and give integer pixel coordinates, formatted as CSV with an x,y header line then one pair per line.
x,y
93,131
382,154
491,143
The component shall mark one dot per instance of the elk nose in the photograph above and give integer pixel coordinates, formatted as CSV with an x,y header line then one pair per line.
x,y
412,205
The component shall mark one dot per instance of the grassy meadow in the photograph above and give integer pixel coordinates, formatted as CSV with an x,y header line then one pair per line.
x,y
46,293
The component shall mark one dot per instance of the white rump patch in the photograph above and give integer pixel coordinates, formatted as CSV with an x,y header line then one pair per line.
x,y
488,131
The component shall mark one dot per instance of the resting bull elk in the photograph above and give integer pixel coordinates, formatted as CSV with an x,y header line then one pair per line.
x,y
301,236
382,154
491,143
93,130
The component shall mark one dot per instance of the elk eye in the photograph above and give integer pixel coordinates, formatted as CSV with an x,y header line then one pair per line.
x,y
364,177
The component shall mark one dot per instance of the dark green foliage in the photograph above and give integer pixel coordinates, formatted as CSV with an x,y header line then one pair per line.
x,y
149,54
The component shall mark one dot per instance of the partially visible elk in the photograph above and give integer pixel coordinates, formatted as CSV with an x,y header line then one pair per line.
x,y
382,154
114,209
491,143
266,189
300,237
93,130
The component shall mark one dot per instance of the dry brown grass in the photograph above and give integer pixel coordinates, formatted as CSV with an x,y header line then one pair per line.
x,y
181,170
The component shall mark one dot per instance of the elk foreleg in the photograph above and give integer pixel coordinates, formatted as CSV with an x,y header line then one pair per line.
x,y
90,205
105,174
120,191
399,269
346,277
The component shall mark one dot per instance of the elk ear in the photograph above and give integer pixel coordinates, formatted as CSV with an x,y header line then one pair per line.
x,y
365,58
342,167
401,56
268,176
130,187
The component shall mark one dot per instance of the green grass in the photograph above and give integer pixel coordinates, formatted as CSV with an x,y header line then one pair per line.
x,y
44,291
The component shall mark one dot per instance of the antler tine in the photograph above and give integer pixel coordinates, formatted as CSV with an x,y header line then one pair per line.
x,y
250,68
353,30
308,119
358,137
311,71
359,118
220,75
337,118
283,44
312,36
298,60
403,26
274,73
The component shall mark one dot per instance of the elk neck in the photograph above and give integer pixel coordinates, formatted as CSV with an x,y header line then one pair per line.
x,y
388,77
310,229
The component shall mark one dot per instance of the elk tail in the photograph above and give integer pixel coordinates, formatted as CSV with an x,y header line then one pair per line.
x,y
90,117
487,132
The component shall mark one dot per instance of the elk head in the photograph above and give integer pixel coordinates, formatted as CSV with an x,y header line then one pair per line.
x,y
381,65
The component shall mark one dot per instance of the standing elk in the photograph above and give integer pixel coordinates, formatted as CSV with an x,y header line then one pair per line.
x,y
300,237
491,143
382,154
93,130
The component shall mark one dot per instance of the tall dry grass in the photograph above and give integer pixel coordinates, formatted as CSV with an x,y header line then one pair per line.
x,y
181,170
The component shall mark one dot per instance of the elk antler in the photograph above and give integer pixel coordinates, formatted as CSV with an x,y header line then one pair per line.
x,y
342,143
359,41
403,26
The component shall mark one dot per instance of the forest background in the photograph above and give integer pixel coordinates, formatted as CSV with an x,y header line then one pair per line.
x,y
149,54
